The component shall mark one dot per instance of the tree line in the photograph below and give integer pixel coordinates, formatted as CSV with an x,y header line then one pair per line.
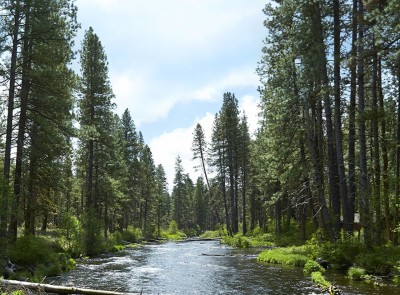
x,y
326,154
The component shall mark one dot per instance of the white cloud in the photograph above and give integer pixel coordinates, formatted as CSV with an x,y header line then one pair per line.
x,y
148,102
175,28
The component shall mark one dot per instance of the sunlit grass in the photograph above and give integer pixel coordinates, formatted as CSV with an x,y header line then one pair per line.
x,y
296,256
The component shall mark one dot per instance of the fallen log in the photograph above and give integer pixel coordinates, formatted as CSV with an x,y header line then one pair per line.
x,y
57,289
198,240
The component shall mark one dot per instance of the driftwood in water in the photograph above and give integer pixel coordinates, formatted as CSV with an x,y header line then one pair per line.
x,y
56,289
199,240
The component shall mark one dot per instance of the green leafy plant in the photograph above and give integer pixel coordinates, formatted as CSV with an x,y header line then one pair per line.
x,y
312,266
356,273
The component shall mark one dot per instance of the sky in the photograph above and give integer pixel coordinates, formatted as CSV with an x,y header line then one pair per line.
x,y
171,61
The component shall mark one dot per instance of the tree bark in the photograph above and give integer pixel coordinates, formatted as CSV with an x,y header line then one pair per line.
x,y
24,95
352,115
57,289
364,182
318,174
396,210
347,224
376,151
332,166
385,157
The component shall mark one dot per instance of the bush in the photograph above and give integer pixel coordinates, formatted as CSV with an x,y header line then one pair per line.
x,y
312,266
356,273
380,260
116,238
210,234
32,251
132,235
340,255
237,240
72,235
173,228
38,257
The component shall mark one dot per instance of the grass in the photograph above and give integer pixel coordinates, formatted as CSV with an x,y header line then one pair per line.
x,y
319,280
356,273
296,256
312,266
210,234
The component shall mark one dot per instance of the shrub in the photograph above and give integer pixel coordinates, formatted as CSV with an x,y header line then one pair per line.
x,y
380,260
340,255
38,257
32,251
237,240
132,235
117,248
173,228
210,234
312,266
72,235
116,238
356,273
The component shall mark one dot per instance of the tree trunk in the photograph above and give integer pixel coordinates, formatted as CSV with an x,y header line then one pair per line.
x,y
364,182
347,223
385,157
31,207
352,115
321,61
11,91
397,199
57,289
9,128
318,174
376,152
24,94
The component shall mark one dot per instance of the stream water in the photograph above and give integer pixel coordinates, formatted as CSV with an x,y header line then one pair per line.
x,y
198,268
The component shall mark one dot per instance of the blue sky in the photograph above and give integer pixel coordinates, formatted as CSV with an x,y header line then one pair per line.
x,y
171,61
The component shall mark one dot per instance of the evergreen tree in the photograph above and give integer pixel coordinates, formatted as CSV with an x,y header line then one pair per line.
x,y
94,117
178,193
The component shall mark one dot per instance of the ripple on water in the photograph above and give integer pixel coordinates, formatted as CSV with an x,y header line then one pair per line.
x,y
181,268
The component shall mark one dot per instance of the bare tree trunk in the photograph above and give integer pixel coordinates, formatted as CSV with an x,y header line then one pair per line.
x,y
31,207
347,221
24,94
364,181
385,157
376,152
318,174
396,210
321,61
9,128
352,115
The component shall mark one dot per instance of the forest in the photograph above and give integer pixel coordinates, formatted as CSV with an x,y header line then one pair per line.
x,y
325,159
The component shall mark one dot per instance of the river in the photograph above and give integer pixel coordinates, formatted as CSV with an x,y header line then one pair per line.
x,y
200,267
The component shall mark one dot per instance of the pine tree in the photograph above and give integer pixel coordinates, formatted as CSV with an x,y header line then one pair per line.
x,y
94,117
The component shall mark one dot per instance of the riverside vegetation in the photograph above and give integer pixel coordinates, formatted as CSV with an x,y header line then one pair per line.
x,y
37,257
317,255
